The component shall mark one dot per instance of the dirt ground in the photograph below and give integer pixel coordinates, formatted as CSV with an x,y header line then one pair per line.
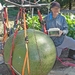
x,y
60,69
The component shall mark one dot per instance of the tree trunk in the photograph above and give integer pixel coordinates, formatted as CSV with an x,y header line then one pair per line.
x,y
70,4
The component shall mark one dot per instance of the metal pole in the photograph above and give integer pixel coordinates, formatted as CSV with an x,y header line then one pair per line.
x,y
32,11
27,5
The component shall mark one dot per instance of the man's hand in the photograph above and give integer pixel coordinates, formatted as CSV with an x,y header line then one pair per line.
x,y
60,33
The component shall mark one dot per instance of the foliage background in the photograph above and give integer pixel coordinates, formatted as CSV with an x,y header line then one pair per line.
x,y
65,4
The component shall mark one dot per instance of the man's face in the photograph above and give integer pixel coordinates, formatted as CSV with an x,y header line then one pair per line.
x,y
55,10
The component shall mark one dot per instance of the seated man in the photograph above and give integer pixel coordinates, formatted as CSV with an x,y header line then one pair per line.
x,y
55,20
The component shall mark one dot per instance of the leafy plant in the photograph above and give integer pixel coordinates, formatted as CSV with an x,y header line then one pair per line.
x,y
33,22
71,25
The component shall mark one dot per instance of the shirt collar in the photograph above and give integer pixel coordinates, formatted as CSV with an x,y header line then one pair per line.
x,y
51,16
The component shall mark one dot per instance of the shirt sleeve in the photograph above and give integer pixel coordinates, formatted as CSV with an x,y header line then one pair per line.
x,y
45,18
65,27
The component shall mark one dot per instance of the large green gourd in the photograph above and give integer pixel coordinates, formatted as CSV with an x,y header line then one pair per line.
x,y
42,52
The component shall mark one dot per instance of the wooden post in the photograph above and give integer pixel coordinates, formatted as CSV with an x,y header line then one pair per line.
x,y
70,4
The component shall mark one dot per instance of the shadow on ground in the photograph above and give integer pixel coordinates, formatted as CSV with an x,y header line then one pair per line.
x,y
4,70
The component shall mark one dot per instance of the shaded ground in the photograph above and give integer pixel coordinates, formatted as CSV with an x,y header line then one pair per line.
x,y
60,69
4,70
